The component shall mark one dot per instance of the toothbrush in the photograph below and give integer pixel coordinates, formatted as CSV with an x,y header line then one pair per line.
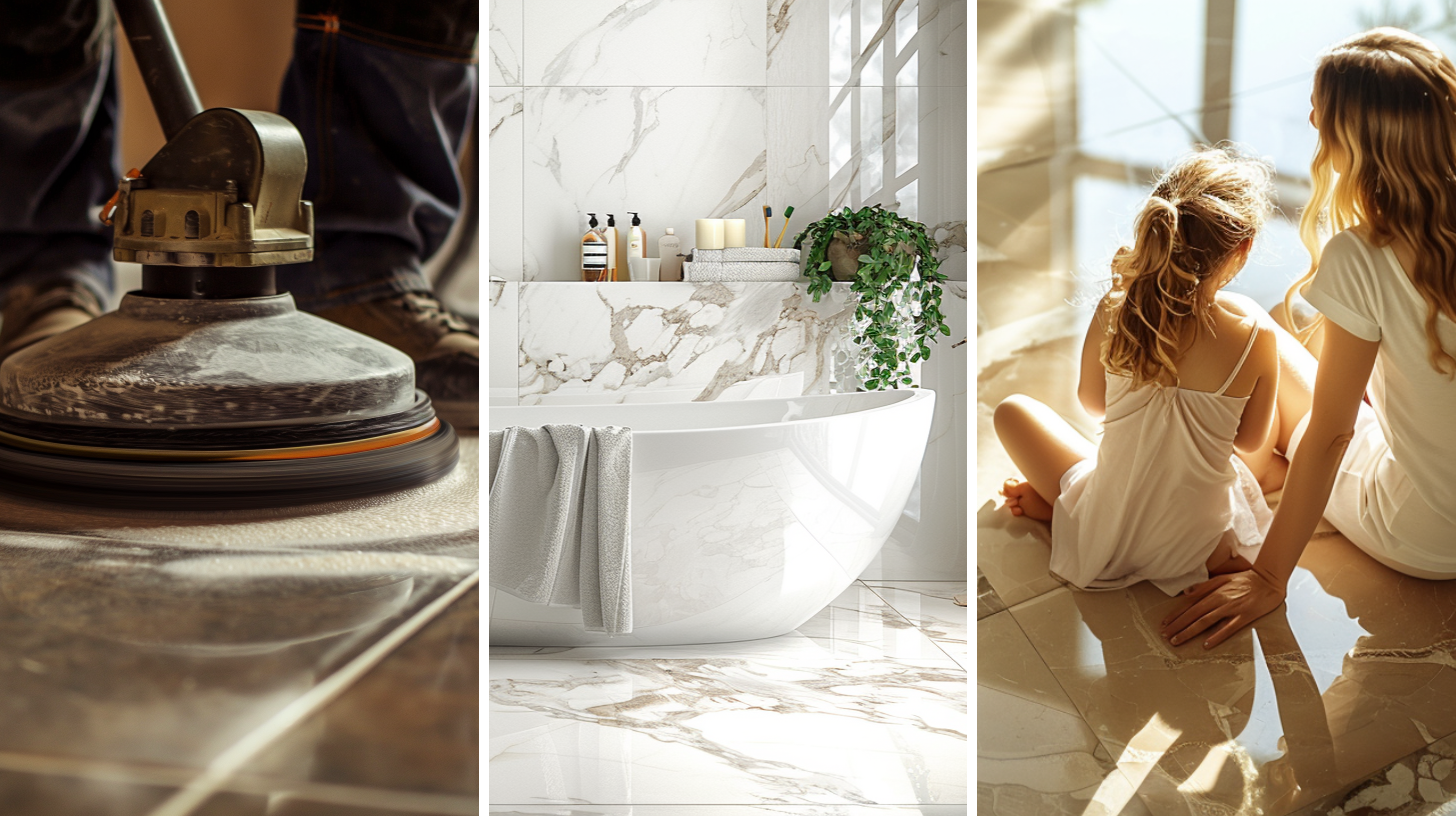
x,y
788,211
767,214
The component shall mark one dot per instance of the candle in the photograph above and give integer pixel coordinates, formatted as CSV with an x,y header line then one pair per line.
x,y
735,233
709,233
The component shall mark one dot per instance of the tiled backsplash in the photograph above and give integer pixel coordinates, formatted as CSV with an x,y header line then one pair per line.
x,y
637,342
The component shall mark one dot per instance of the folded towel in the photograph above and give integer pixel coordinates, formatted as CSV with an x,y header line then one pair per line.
x,y
559,518
747,255
775,271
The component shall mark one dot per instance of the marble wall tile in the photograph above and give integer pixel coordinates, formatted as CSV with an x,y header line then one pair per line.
x,y
798,42
674,154
504,341
645,42
798,160
696,340
943,42
943,196
506,146
507,41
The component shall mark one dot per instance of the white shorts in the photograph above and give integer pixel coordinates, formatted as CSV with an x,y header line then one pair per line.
x,y
1374,504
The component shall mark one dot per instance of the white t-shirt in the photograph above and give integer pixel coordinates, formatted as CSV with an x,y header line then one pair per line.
x,y
1364,290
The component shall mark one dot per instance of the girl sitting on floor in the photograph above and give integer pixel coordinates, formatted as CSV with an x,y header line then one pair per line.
x,y
1185,377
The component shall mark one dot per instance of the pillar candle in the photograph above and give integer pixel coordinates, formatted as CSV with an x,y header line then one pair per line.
x,y
735,233
709,233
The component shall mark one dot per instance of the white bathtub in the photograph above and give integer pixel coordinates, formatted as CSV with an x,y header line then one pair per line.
x,y
747,517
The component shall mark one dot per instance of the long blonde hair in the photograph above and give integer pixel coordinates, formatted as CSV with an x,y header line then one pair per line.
x,y
1387,99
1201,211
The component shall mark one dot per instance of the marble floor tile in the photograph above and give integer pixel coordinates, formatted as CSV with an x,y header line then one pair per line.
x,y
359,803
730,810
726,731
1352,675
1035,754
1418,784
130,652
987,601
1032,759
929,606
35,794
1007,663
411,724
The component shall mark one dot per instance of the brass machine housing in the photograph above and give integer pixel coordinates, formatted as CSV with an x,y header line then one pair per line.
x,y
226,190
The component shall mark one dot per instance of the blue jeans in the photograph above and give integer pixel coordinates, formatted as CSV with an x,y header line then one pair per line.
x,y
382,92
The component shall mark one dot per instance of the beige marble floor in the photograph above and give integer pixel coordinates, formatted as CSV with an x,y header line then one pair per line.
x,y
1344,701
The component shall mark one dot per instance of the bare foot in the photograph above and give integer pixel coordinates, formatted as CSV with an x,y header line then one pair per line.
x,y
1023,501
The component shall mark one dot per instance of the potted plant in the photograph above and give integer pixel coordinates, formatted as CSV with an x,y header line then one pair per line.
x,y
890,263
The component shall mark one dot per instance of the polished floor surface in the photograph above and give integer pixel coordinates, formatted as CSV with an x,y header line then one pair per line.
x,y
317,660
1344,702
860,712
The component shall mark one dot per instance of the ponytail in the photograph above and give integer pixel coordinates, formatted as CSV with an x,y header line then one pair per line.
x,y
1202,210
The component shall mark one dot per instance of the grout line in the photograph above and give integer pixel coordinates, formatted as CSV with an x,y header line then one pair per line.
x,y
172,776
917,627
441,804
225,765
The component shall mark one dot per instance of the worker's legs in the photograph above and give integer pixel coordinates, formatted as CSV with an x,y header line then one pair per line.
x,y
57,161
384,94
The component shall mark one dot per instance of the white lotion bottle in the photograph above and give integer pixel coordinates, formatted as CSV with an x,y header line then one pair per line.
x,y
669,254
636,240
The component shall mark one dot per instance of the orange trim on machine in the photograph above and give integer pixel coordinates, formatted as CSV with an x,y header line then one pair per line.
x,y
304,452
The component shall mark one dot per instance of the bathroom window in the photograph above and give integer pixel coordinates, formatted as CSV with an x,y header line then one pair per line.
x,y
874,103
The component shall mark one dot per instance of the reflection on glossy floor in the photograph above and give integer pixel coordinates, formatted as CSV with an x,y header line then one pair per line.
x,y
317,660
861,712
1344,703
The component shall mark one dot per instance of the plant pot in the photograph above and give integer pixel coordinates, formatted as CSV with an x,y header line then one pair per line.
x,y
843,253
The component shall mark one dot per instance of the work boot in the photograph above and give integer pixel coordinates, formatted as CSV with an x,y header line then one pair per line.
x,y
29,315
445,349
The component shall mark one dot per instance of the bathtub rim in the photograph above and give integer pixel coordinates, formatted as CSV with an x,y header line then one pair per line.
x,y
913,394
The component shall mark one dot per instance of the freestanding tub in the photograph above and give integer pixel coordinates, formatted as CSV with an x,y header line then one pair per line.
x,y
747,517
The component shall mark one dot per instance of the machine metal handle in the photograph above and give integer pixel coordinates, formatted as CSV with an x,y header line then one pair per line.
x,y
168,83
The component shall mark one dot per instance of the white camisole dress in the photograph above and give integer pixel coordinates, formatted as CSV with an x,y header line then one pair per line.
x,y
1164,489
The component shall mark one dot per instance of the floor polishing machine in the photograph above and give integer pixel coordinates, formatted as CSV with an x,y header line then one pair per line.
x,y
207,389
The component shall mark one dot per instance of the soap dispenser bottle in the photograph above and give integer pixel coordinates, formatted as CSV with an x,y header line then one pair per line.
x,y
636,240
593,253
612,245
669,248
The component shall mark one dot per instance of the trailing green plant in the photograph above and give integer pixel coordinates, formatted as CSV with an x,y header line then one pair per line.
x,y
897,315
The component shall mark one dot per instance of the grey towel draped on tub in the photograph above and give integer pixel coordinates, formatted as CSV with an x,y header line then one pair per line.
x,y
559,519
